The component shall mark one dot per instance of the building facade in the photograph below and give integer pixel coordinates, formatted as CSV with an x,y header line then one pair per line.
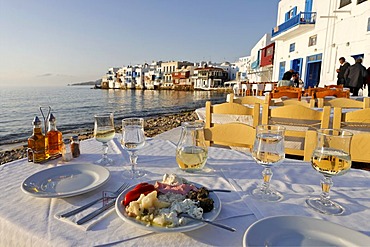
x,y
262,54
208,78
311,35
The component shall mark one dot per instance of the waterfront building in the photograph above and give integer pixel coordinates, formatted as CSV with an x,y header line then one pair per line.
x,y
110,80
208,78
129,78
138,75
153,77
182,78
168,68
261,66
310,37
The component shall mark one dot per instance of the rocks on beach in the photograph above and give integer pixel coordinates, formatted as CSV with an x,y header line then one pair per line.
x,y
153,127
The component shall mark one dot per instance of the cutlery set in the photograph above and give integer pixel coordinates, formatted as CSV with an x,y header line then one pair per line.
x,y
98,211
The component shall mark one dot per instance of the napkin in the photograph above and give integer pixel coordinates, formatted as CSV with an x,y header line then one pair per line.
x,y
89,224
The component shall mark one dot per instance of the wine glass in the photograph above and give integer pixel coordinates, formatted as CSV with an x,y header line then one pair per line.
x,y
331,158
104,132
268,151
133,138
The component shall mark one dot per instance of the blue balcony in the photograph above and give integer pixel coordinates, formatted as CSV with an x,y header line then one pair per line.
x,y
298,24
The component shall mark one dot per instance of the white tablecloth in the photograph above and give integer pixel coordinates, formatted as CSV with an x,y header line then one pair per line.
x,y
30,221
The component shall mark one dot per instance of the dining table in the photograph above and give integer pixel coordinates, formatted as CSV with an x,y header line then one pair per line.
x,y
26,220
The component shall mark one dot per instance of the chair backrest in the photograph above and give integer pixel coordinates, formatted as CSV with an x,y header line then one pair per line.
x,y
311,91
360,147
288,94
235,134
334,86
300,123
344,103
250,100
309,104
356,120
332,92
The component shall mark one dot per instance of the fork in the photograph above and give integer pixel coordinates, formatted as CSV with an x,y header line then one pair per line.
x,y
208,222
77,210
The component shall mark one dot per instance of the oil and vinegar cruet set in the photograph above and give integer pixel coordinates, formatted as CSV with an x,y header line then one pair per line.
x,y
49,144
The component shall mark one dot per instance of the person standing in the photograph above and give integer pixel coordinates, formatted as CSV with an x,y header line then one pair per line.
x,y
355,76
342,69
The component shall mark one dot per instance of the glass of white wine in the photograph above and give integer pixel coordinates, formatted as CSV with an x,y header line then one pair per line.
x,y
191,151
133,138
268,151
331,157
104,132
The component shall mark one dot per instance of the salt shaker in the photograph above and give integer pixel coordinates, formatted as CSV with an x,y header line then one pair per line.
x,y
66,150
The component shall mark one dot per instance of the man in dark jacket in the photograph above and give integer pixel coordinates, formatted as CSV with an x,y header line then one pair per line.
x,y
356,76
342,69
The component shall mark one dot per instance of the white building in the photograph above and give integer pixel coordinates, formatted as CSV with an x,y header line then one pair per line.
x,y
243,65
153,77
111,78
255,72
310,37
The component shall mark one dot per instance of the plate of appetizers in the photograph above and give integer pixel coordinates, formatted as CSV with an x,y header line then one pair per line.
x,y
156,205
301,231
65,181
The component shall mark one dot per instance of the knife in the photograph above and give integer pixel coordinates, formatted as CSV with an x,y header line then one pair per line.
x,y
95,213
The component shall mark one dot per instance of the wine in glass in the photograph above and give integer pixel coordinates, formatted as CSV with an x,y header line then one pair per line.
x,y
331,157
191,151
133,138
104,132
268,151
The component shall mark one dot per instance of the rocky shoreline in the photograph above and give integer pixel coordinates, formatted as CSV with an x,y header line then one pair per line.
x,y
153,127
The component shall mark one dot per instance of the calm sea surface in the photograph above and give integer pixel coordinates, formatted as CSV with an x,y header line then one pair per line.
x,y
74,107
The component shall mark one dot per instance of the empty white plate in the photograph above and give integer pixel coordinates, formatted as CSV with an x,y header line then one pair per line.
x,y
301,231
65,181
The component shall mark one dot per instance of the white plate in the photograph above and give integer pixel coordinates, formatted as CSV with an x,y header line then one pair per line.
x,y
301,231
65,180
191,225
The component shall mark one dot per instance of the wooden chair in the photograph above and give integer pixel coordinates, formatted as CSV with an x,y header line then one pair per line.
x,y
311,91
235,134
344,103
248,100
360,147
334,86
301,123
358,122
330,92
309,104
288,94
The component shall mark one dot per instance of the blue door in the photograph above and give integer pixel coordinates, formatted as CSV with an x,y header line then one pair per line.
x,y
312,74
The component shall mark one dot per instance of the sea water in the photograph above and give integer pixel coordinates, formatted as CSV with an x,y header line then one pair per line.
x,y
75,106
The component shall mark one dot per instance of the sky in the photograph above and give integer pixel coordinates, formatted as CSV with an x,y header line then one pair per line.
x,y
57,42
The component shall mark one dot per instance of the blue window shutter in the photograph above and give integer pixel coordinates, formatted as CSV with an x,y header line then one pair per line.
x,y
295,11
286,16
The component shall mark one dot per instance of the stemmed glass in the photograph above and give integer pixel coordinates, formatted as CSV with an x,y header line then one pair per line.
x,y
268,151
331,157
133,138
104,132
